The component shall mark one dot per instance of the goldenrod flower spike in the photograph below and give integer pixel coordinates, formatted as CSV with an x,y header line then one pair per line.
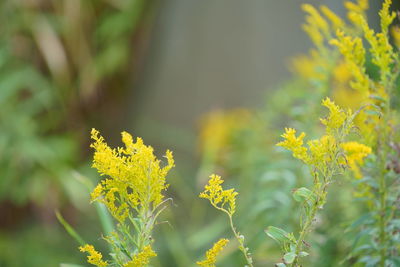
x,y
322,151
212,253
94,256
387,17
218,197
336,21
294,144
395,31
355,154
358,8
225,201
133,174
141,259
316,26
336,117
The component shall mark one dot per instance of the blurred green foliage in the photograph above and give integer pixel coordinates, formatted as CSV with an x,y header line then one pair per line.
x,y
55,58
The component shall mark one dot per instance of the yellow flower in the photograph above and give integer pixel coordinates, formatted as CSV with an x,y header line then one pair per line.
x,y
294,144
353,52
212,254
309,66
218,197
135,178
94,256
336,21
217,128
142,258
336,117
354,9
387,17
316,26
361,6
322,150
395,30
355,154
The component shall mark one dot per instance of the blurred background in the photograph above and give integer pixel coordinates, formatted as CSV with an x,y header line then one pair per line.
x,y
207,79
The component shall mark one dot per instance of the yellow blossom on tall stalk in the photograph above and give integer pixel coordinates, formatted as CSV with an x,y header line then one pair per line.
x,y
218,126
294,144
324,156
133,192
395,31
218,197
94,256
358,8
225,201
373,91
134,175
316,26
142,258
336,118
212,253
320,151
355,154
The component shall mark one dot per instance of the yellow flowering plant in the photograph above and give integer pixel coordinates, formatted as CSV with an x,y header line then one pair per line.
x,y
212,253
133,194
361,70
326,159
377,186
365,142
225,201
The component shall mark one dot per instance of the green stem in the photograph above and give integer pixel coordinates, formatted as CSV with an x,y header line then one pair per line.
x,y
305,229
382,206
311,214
242,247
238,237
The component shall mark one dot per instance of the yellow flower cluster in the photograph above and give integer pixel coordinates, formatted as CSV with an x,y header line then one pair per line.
x,y
335,20
135,179
381,50
94,256
336,117
355,154
211,254
353,52
141,259
323,150
395,31
217,128
316,26
218,197
355,9
373,93
294,144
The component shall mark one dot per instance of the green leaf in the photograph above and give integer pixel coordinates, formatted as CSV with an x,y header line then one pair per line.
x,y
71,231
280,265
303,254
373,112
277,234
377,97
303,194
70,265
289,257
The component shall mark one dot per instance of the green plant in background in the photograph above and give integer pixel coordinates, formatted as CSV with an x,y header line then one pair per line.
x,y
133,194
55,57
225,201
